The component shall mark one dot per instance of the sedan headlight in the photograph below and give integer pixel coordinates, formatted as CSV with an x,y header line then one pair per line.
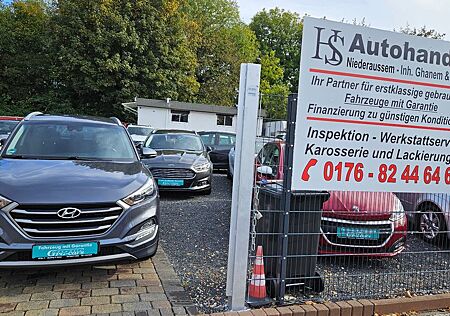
x,y
4,202
205,166
398,213
140,195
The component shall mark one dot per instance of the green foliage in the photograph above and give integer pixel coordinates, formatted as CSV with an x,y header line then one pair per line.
x,y
25,58
274,91
112,50
281,31
87,57
223,43
422,31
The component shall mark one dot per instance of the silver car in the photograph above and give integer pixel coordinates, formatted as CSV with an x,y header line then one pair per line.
x,y
429,213
259,143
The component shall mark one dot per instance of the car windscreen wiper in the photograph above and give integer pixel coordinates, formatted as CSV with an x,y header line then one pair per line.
x,y
78,158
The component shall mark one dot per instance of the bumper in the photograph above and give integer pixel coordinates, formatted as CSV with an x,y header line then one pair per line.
x,y
391,240
201,182
123,241
396,248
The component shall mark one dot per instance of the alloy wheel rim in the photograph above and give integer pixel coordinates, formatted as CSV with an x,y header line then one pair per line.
x,y
429,224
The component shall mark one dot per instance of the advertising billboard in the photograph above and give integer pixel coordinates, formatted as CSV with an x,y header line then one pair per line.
x,y
373,111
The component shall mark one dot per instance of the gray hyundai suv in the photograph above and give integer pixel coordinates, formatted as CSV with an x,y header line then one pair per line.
x,y
74,191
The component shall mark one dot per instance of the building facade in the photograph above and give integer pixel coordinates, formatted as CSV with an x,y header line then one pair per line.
x,y
168,114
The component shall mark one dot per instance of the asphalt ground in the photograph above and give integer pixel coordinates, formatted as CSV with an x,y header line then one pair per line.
x,y
194,232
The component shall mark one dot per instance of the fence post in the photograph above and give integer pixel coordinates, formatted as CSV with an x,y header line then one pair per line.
x,y
287,191
242,185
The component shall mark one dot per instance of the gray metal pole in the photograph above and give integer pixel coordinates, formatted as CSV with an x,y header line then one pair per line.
x,y
242,185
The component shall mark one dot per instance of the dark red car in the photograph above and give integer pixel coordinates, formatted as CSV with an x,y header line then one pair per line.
x,y
353,223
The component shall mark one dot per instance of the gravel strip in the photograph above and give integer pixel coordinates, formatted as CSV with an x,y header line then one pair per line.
x,y
194,234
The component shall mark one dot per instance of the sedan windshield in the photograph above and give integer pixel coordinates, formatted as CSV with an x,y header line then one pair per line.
x,y
141,131
71,141
7,127
175,142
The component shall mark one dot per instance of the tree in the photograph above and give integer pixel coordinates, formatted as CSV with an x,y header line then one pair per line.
x,y
26,69
109,52
274,91
223,43
281,31
422,31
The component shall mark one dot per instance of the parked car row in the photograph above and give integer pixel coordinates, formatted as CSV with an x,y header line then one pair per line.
x,y
182,160
88,190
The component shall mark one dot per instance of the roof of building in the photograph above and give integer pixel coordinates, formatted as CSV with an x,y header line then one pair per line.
x,y
184,106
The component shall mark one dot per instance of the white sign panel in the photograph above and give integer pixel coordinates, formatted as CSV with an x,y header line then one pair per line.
x,y
373,111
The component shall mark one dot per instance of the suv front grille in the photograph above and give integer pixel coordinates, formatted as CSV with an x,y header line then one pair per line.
x,y
172,173
43,222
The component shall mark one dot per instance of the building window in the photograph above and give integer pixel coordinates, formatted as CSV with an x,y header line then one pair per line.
x,y
225,120
180,116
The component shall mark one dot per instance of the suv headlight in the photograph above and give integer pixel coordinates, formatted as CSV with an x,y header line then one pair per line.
x,y
140,195
398,213
205,166
4,202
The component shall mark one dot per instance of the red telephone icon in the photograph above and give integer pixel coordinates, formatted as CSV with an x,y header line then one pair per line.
x,y
305,174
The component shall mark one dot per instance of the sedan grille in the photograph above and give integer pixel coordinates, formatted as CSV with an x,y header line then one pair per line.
x,y
44,222
172,173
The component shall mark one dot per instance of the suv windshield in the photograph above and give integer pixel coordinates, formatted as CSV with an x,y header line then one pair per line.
x,y
141,131
71,141
175,141
7,127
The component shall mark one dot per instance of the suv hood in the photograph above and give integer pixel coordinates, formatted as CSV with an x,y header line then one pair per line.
x,y
178,158
69,182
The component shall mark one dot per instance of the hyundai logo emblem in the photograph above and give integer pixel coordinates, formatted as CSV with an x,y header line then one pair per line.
x,y
69,213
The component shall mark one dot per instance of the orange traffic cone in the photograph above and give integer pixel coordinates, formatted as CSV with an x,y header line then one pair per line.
x,y
257,295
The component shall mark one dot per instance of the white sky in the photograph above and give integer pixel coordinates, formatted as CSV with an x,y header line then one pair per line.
x,y
382,14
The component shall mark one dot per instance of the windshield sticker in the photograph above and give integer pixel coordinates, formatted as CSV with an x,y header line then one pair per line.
x,y
11,151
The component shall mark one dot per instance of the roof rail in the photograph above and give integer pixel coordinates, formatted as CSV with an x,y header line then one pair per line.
x,y
116,120
31,115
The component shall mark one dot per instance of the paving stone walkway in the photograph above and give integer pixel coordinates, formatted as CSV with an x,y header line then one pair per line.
x,y
141,288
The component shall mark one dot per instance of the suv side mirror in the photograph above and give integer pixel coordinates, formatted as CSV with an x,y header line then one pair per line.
x,y
209,149
264,170
148,153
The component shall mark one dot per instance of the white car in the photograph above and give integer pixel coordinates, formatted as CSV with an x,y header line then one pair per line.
x,y
429,213
139,133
